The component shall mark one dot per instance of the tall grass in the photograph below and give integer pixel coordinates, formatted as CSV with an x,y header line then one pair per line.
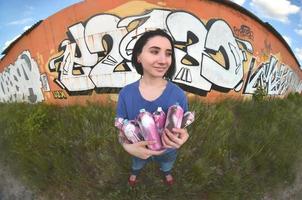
x,y
236,150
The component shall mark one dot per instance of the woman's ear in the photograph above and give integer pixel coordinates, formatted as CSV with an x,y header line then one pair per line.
x,y
138,59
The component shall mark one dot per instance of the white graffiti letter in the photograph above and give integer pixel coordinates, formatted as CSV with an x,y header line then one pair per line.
x,y
220,38
21,81
187,30
103,35
153,20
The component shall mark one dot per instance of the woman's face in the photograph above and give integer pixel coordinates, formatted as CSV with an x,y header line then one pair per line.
x,y
156,57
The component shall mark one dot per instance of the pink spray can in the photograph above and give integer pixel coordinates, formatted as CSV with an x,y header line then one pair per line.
x,y
187,119
149,129
159,117
118,122
131,131
174,117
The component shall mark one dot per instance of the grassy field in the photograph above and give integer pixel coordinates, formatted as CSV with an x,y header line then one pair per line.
x,y
237,150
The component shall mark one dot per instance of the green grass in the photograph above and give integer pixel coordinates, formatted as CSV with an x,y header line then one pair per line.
x,y
236,150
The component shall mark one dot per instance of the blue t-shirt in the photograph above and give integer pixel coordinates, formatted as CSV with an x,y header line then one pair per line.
x,y
130,100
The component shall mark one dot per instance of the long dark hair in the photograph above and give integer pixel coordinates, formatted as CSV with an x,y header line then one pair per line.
x,y
141,42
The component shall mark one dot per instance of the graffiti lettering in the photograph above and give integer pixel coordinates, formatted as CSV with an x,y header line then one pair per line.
x,y
151,20
244,31
108,38
44,81
97,56
230,75
59,95
277,81
104,35
21,81
189,34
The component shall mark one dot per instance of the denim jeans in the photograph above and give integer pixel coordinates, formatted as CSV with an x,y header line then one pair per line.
x,y
165,161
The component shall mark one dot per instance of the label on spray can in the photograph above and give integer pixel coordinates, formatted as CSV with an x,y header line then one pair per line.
x,y
187,119
174,117
159,117
118,122
149,129
131,131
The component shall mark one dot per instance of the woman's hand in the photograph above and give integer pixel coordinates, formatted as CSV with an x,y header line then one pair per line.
x,y
140,149
175,139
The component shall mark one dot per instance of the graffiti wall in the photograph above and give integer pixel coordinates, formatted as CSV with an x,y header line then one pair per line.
x,y
83,53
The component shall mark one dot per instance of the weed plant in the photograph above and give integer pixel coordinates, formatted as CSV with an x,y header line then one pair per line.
x,y
236,150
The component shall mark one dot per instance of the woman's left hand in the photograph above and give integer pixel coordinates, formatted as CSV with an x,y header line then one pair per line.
x,y
175,139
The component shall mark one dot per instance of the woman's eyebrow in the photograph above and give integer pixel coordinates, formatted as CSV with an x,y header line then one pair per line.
x,y
158,48
154,47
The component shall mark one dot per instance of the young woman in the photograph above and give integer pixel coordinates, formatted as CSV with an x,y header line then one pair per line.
x,y
154,59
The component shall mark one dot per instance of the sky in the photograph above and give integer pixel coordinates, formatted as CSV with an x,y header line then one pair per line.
x,y
16,16
284,15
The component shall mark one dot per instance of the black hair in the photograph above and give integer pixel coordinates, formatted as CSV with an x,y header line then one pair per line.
x,y
141,42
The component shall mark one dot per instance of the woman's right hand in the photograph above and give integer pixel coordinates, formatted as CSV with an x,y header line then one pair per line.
x,y
140,149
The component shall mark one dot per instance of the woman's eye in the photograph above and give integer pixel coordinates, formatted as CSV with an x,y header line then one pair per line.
x,y
154,52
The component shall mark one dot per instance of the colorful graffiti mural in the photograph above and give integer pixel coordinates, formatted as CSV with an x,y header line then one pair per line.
x,y
214,55
21,81
276,80
196,68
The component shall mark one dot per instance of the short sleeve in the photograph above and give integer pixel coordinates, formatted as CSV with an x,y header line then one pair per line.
x,y
184,102
121,106
180,97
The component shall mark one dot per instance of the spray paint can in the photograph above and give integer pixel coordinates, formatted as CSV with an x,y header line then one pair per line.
x,y
118,122
174,117
131,131
187,119
149,129
159,117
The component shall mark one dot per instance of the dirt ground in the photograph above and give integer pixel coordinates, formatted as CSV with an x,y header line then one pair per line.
x,y
11,188
293,192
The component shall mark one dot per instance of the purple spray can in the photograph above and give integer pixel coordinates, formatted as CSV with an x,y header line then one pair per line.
x,y
149,129
174,117
131,131
118,122
159,117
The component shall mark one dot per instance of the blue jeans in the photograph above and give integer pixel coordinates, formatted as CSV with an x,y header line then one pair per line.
x,y
165,160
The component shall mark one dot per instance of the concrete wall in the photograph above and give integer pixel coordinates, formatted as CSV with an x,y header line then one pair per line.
x,y
83,52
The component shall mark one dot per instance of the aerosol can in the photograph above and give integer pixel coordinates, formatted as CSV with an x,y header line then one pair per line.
x,y
187,119
131,131
149,129
174,117
159,117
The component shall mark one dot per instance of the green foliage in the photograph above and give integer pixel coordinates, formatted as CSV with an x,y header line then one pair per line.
x,y
236,150
260,94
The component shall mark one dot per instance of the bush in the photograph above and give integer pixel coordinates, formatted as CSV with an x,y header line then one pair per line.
x,y
260,94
